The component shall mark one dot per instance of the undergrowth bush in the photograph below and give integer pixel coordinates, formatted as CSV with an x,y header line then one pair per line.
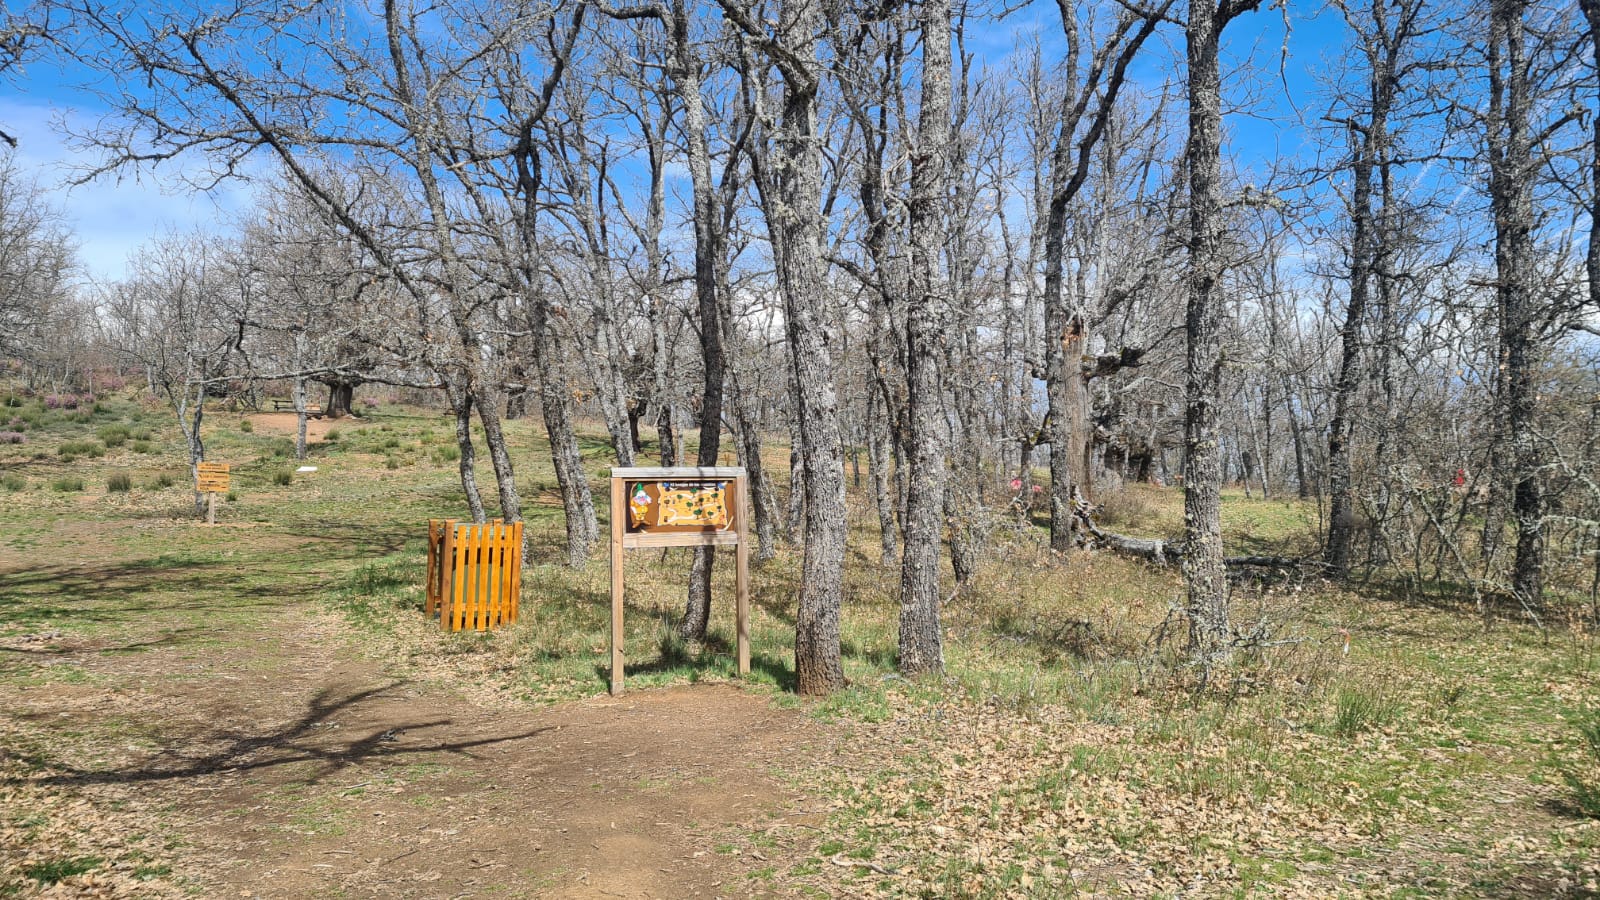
x,y
67,483
113,435
247,426
90,449
282,477
162,481
1359,708
11,481
119,483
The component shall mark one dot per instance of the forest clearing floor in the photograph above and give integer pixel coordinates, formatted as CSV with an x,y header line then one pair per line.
x,y
287,423
253,751
261,709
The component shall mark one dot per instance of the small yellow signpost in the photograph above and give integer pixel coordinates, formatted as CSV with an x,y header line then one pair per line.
x,y
211,479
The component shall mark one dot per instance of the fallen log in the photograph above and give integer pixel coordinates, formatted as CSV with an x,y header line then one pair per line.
x,y
1163,552
1154,550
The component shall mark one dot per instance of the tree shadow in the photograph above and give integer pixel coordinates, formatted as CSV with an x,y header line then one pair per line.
x,y
123,592
171,638
297,741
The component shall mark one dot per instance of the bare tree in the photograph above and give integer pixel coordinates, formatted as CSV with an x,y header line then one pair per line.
x,y
790,182
926,317
170,317
36,262
1385,33
396,107
1087,105
1202,466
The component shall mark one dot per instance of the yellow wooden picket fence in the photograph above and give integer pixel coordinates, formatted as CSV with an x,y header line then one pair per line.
x,y
474,574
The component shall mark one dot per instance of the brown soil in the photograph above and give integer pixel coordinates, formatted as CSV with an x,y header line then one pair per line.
x,y
290,767
285,423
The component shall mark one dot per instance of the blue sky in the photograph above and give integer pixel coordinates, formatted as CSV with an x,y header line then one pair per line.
x,y
113,216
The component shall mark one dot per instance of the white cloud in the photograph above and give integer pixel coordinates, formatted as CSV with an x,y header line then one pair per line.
x,y
111,216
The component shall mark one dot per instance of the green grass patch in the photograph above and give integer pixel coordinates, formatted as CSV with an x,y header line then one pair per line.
x,y
69,450
1358,708
1582,775
54,870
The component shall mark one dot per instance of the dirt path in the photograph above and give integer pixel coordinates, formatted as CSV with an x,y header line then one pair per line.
x,y
293,768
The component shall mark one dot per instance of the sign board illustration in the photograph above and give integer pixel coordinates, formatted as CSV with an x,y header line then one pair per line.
x,y
696,506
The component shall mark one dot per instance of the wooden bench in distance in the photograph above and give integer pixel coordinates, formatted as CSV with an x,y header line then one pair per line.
x,y
313,411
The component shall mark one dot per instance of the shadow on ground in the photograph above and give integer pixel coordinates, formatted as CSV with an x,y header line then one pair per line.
x,y
302,740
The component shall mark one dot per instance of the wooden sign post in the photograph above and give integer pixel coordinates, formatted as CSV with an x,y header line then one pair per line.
x,y
680,507
211,479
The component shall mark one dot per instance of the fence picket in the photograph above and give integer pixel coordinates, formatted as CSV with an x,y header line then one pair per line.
x,y
485,566
516,571
463,538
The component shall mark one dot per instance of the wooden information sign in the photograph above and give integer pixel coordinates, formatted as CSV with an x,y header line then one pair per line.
x,y
211,479
680,507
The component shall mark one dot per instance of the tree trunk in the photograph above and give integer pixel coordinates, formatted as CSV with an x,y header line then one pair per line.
x,y
461,409
576,500
191,413
764,501
666,436
341,396
1511,176
1591,11
1203,566
300,418
878,470
1069,442
796,513
685,71
921,646
1371,146
793,201
488,404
